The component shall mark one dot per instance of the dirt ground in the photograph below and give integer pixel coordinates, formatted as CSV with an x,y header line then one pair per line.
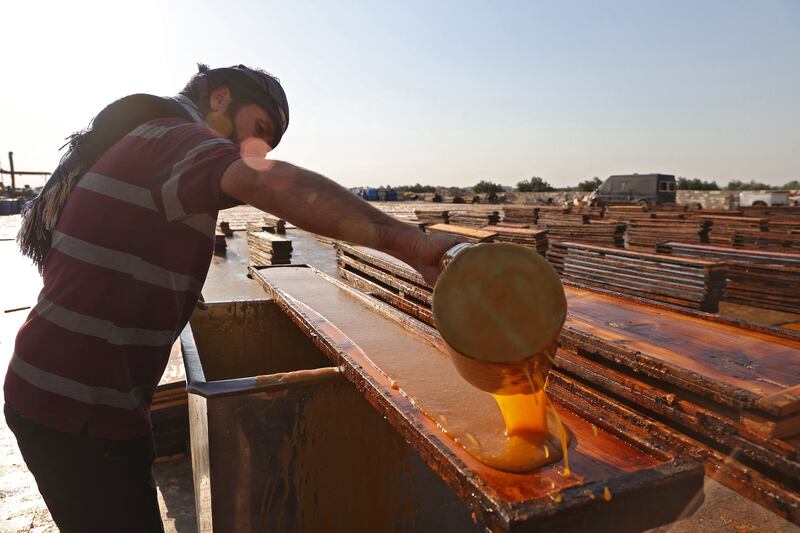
x,y
21,506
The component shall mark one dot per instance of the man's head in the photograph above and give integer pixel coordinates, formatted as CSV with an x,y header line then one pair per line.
x,y
246,105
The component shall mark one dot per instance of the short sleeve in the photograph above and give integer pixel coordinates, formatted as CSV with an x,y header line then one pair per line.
x,y
190,160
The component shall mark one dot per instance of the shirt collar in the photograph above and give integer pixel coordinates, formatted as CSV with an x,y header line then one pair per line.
x,y
190,108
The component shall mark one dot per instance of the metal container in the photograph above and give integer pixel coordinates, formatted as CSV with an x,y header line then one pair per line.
x,y
281,441
513,376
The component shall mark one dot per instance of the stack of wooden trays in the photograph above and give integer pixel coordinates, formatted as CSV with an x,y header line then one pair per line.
x,y
474,219
602,233
237,217
782,211
386,278
724,227
432,217
721,391
169,411
780,225
251,227
680,281
274,225
268,249
519,214
719,212
627,213
766,279
532,238
767,240
561,217
681,208
644,235
724,394
472,234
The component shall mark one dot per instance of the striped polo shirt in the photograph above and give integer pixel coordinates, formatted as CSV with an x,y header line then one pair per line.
x,y
129,256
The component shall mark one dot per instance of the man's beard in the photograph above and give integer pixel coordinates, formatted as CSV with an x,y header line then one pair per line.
x,y
223,122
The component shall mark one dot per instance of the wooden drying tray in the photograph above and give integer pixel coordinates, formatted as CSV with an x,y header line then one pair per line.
x,y
692,283
473,234
752,371
724,442
764,469
361,335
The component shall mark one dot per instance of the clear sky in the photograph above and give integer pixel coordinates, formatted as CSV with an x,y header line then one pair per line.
x,y
438,92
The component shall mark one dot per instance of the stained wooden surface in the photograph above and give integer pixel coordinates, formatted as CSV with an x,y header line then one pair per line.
x,y
736,366
473,234
739,367
681,281
339,317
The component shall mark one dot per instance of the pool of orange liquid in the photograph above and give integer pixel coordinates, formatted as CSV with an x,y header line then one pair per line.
x,y
529,418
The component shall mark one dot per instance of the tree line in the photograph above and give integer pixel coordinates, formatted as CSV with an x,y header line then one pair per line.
x,y
538,184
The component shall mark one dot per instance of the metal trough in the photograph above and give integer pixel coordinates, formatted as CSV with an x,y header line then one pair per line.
x,y
281,441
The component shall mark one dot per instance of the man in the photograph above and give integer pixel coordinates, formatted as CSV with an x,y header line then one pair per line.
x,y
123,235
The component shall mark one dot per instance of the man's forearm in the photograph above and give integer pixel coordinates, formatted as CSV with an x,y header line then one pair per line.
x,y
317,204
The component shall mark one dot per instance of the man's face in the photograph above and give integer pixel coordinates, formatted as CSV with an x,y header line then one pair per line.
x,y
248,125
253,130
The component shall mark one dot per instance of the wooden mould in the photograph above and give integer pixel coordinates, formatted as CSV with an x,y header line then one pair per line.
x,y
724,227
532,238
779,241
646,234
523,215
268,249
685,282
602,233
473,234
432,217
365,338
760,278
474,219
729,393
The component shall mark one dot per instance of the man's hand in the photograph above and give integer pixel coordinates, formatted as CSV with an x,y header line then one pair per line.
x,y
424,253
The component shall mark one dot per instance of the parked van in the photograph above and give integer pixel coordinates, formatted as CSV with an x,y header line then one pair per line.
x,y
636,189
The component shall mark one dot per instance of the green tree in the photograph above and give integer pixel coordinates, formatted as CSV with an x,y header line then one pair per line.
x,y
487,187
416,188
697,185
535,184
792,185
589,185
752,185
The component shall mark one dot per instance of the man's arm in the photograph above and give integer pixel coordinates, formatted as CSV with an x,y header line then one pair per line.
x,y
319,205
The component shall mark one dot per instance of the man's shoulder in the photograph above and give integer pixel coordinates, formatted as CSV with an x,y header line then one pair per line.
x,y
173,134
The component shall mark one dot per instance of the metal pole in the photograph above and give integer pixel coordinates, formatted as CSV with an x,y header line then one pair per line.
x,y
11,164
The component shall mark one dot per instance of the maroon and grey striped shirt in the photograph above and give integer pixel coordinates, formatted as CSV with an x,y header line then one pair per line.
x,y
129,256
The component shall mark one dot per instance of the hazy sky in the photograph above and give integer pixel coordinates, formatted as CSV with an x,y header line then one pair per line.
x,y
438,92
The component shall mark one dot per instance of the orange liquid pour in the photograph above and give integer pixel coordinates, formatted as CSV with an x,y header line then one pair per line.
x,y
524,414
526,419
